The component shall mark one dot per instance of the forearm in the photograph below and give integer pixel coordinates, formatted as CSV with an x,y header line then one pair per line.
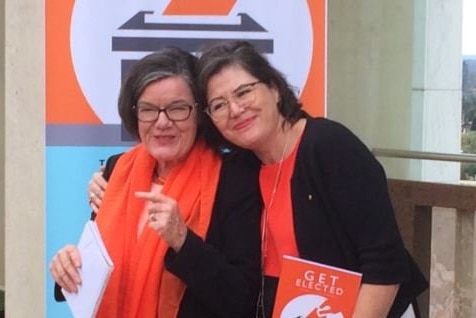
x,y
375,301
222,284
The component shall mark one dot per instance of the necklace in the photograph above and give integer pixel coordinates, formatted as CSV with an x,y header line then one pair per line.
x,y
277,179
264,226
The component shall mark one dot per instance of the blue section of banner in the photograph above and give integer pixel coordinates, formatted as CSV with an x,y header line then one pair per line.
x,y
68,171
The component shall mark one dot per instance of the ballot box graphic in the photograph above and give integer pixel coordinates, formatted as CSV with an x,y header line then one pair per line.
x,y
157,32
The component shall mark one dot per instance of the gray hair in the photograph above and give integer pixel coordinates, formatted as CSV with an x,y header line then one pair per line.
x,y
168,62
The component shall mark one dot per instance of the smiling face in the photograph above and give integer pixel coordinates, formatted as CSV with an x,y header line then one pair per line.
x,y
250,126
168,141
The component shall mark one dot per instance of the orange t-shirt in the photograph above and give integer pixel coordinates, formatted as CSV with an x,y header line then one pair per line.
x,y
277,222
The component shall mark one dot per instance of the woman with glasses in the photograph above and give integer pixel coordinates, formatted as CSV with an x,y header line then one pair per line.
x,y
325,194
180,221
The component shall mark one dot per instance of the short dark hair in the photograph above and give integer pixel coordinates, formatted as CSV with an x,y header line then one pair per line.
x,y
165,63
216,57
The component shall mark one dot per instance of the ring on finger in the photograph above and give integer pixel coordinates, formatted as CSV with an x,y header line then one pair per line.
x,y
153,214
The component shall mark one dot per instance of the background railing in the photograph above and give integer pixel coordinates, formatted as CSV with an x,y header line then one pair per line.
x,y
408,154
437,222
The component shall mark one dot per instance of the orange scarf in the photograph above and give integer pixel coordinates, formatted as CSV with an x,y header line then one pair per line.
x,y
139,279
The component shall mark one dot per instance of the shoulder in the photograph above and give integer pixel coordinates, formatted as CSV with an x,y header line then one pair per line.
x,y
110,164
113,159
238,159
238,196
327,138
335,151
239,178
239,166
321,129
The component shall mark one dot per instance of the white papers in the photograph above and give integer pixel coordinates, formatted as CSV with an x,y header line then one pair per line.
x,y
95,271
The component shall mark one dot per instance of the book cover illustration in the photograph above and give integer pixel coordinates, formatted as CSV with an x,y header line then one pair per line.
x,y
310,290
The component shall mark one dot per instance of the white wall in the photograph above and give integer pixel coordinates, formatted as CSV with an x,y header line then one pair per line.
x,y
394,78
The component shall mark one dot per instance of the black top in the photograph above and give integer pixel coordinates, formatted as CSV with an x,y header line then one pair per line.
x,y
343,214
222,274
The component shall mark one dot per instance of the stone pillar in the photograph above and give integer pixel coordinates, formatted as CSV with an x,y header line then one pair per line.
x,y
465,267
442,274
2,149
23,101
453,270
436,88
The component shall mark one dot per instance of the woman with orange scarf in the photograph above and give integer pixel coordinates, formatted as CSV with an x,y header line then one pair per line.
x,y
179,220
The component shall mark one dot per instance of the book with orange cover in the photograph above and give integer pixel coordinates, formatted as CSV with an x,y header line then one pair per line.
x,y
310,290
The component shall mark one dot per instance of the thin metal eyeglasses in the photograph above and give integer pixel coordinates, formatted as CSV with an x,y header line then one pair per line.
x,y
175,112
219,108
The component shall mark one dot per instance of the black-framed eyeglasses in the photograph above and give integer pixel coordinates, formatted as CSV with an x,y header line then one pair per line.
x,y
175,112
244,95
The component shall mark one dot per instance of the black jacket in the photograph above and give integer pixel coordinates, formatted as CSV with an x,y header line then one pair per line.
x,y
343,214
222,274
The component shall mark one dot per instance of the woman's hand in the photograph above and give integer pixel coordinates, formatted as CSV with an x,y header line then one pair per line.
x,y
164,217
97,186
64,268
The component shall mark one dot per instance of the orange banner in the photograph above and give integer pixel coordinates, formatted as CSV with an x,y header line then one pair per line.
x,y
66,100
314,92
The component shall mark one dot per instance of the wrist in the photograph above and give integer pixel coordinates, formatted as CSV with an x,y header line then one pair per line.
x,y
181,237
